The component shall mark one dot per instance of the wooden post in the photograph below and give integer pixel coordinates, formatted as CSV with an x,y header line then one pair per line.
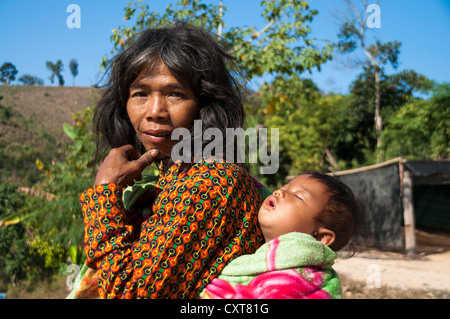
x,y
408,213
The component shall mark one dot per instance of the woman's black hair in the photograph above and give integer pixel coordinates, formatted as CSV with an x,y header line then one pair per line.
x,y
194,57
343,213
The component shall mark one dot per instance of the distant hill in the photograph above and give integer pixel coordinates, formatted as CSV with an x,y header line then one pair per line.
x,y
31,118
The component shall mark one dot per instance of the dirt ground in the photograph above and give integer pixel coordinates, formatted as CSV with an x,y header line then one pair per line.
x,y
427,274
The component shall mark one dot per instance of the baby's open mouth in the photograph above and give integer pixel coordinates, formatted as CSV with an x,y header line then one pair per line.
x,y
270,202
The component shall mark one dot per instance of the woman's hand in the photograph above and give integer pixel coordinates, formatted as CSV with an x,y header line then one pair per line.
x,y
124,165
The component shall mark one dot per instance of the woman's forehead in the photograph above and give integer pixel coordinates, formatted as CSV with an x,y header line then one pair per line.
x,y
151,68
157,68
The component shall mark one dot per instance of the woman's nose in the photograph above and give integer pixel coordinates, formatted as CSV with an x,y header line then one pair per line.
x,y
156,109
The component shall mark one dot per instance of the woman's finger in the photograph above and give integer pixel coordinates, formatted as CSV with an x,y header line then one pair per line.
x,y
131,153
147,158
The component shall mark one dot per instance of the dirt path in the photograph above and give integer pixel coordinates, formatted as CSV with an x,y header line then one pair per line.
x,y
375,268
429,271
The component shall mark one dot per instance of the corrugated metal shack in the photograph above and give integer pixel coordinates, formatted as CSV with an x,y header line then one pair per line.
x,y
400,195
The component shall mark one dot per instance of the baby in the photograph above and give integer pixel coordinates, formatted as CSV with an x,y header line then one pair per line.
x,y
304,224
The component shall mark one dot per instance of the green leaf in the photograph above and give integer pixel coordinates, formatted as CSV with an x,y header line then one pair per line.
x,y
73,254
69,131
14,218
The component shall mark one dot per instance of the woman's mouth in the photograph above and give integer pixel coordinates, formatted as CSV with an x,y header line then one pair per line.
x,y
157,136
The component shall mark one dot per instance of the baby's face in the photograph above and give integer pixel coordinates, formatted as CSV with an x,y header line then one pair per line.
x,y
292,208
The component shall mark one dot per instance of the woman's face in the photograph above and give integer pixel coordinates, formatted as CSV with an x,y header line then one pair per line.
x,y
158,103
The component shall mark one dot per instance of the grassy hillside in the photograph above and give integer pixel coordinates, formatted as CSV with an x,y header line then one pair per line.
x,y
31,118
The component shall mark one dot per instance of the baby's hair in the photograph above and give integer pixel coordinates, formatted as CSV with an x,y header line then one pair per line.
x,y
342,213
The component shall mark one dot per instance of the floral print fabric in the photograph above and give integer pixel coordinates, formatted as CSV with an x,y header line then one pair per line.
x,y
201,219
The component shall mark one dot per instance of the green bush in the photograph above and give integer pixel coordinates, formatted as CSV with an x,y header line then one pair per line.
x,y
18,260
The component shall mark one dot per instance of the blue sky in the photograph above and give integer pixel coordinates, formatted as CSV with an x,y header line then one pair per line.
x,y
34,32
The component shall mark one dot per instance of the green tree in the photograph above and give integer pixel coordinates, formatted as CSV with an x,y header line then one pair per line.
x,y
73,69
420,129
353,35
357,145
309,123
283,46
8,73
28,79
56,69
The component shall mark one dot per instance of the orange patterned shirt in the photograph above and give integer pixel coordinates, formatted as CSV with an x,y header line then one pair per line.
x,y
201,219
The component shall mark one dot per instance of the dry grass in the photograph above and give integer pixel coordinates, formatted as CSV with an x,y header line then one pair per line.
x,y
56,289
31,119
48,106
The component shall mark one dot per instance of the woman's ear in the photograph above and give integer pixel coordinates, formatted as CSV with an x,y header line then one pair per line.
x,y
325,236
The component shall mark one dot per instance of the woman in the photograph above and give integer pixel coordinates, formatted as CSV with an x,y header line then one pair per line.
x,y
205,211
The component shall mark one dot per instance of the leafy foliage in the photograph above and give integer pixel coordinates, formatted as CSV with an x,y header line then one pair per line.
x,y
73,69
353,35
28,79
283,46
421,128
59,220
18,259
55,71
356,145
314,122
8,73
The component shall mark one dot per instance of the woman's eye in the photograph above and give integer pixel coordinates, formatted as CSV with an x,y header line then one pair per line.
x,y
176,94
139,94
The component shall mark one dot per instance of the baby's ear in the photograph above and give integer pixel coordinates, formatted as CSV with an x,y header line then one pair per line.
x,y
325,236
